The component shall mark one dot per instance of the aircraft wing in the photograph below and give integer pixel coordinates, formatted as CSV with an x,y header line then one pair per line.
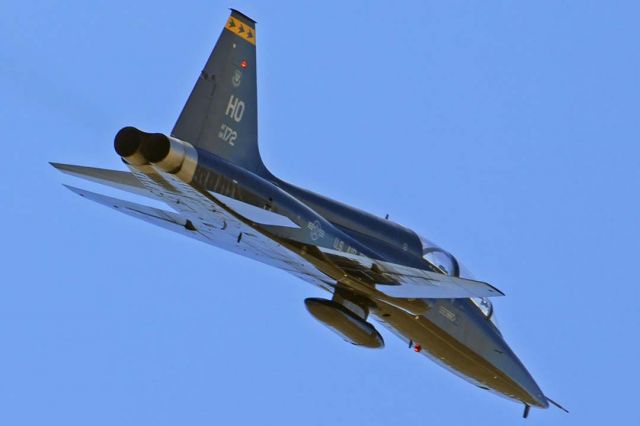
x,y
392,280
194,217
405,282
415,283
215,221
165,219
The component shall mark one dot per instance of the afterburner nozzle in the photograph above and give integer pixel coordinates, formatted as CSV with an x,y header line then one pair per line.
x,y
128,144
169,154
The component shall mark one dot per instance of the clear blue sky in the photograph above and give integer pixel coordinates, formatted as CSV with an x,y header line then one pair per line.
x,y
506,131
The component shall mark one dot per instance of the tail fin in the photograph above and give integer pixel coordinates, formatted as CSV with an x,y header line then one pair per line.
x,y
221,114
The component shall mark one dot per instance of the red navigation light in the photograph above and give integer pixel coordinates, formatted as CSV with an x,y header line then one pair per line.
x,y
243,64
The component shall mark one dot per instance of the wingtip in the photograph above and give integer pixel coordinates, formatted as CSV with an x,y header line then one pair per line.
x,y
74,189
496,289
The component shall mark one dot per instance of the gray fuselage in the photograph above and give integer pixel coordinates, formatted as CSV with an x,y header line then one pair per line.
x,y
453,332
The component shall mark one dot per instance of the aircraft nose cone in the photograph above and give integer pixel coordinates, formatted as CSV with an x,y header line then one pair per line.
x,y
524,386
535,396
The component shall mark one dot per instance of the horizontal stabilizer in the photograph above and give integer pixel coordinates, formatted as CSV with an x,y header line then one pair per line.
x,y
124,181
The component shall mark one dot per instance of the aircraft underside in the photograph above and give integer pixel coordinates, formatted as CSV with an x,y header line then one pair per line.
x,y
209,173
199,214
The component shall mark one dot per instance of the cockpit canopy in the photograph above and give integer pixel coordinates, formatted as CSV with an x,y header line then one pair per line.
x,y
440,258
448,264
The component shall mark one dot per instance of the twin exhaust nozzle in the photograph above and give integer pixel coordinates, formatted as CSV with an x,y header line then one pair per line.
x,y
169,154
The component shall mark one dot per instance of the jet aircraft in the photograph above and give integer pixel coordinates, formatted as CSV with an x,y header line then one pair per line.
x,y
209,171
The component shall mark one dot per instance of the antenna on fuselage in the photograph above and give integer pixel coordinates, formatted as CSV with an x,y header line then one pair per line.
x,y
557,405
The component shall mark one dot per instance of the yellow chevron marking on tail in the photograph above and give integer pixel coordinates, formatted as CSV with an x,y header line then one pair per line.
x,y
241,29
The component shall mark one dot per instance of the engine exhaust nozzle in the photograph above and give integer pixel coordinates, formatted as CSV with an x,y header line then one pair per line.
x,y
166,153
128,144
169,154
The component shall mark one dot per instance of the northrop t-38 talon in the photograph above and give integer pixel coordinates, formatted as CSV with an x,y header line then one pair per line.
x,y
208,170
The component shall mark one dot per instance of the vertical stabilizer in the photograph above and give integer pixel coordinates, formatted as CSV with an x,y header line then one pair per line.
x,y
221,114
